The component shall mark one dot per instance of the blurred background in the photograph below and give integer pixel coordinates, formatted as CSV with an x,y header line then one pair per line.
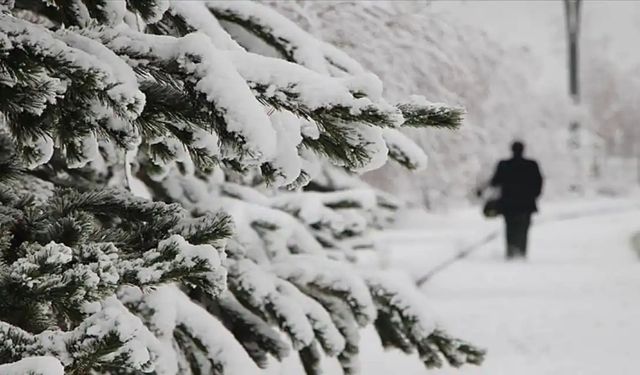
x,y
506,62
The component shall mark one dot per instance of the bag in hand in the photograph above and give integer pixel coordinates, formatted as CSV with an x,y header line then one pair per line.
x,y
492,208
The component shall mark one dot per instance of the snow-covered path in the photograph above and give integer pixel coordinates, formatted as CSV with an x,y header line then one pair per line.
x,y
573,308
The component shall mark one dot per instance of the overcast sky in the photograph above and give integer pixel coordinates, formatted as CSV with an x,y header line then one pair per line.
x,y
540,26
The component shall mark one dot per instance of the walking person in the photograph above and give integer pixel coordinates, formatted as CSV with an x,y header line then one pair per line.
x,y
520,184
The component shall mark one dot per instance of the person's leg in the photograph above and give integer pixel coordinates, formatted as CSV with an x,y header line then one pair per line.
x,y
526,223
516,228
511,235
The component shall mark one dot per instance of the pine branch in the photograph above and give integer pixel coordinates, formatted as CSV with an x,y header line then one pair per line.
x,y
256,335
401,324
264,32
151,11
419,114
171,89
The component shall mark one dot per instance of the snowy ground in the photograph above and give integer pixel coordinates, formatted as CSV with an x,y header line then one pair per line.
x,y
573,308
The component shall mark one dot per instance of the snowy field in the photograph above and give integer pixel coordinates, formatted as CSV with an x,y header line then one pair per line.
x,y
572,308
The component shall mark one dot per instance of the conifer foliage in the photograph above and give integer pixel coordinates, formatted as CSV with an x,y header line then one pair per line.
x,y
177,194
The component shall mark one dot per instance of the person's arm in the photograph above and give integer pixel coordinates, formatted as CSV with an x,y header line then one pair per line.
x,y
495,180
498,176
538,180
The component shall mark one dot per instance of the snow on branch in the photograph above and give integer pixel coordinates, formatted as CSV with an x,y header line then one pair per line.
x,y
256,335
165,96
47,80
33,366
313,95
111,336
260,291
75,255
210,74
403,150
404,322
198,16
173,257
296,45
192,339
273,232
262,297
419,112
293,43
328,276
150,11
339,220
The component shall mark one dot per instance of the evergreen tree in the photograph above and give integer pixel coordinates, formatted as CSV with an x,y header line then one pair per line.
x,y
177,198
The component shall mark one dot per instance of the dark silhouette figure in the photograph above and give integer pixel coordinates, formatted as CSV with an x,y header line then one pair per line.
x,y
520,184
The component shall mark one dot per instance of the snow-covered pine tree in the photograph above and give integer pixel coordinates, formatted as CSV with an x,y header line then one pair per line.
x,y
158,211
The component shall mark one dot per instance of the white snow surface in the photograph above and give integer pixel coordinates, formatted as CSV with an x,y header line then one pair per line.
x,y
43,147
126,91
336,276
288,130
114,11
306,49
197,14
315,90
401,143
37,365
571,308
216,77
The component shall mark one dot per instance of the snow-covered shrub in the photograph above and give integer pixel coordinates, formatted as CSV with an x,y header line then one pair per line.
x,y
159,209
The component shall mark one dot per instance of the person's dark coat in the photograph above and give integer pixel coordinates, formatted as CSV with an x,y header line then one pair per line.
x,y
520,182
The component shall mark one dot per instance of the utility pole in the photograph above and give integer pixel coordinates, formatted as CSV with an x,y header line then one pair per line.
x,y
572,18
572,14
